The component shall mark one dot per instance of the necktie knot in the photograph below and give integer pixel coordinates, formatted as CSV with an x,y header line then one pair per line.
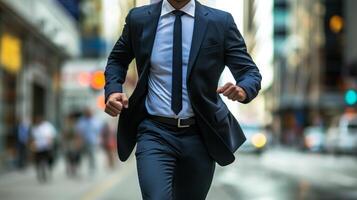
x,y
178,13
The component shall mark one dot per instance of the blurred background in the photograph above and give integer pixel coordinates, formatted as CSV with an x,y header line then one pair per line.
x,y
57,143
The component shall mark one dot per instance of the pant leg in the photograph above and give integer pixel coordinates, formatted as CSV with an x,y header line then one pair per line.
x,y
22,155
195,170
155,163
41,165
91,157
89,152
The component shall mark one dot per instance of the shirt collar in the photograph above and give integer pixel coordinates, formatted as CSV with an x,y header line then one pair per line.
x,y
189,8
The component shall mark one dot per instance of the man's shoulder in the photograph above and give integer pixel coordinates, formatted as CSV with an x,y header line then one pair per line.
x,y
140,10
216,13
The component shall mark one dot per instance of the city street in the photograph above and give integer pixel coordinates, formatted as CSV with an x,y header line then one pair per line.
x,y
276,174
286,70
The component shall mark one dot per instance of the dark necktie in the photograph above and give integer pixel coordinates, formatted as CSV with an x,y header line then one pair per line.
x,y
176,91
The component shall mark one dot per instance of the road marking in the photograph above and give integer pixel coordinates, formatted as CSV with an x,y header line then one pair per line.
x,y
99,189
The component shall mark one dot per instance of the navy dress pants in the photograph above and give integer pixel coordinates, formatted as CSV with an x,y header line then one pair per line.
x,y
172,162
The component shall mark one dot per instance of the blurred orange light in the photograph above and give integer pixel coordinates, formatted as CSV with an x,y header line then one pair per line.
x,y
84,79
336,23
98,80
101,102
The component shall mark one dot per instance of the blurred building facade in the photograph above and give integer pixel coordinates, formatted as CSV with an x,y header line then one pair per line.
x,y
258,34
100,23
37,36
313,63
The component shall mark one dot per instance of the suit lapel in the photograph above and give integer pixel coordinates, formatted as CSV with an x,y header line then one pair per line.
x,y
198,35
149,30
147,41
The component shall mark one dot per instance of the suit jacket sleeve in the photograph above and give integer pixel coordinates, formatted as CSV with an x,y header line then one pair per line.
x,y
239,62
118,61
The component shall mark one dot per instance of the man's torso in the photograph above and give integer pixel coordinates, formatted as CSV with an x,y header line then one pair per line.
x,y
158,101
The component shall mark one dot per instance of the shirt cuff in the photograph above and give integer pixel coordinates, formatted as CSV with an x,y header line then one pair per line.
x,y
248,97
113,88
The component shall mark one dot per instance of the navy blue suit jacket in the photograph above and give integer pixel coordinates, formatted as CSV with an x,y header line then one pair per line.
x,y
216,43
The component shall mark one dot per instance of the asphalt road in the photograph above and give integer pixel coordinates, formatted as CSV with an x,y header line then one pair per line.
x,y
278,174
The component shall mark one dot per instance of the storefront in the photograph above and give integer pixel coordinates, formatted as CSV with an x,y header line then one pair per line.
x,y
11,63
29,79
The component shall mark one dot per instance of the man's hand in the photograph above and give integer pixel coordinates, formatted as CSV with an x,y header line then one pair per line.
x,y
115,104
233,92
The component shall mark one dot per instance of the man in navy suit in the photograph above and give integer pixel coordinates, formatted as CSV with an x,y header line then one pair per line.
x,y
175,114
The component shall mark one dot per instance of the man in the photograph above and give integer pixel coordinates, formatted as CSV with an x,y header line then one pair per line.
x,y
175,114
22,131
43,135
72,145
88,127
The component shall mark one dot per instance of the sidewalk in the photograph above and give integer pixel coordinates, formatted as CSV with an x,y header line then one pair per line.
x,y
23,184
317,168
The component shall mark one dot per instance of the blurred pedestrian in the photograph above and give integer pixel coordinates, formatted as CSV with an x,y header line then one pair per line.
x,y
108,142
22,131
43,135
176,116
89,129
72,144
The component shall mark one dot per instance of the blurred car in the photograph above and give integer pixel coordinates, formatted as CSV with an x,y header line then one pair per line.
x,y
332,138
257,139
342,135
314,139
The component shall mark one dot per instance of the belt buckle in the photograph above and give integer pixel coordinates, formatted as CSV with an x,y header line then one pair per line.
x,y
180,125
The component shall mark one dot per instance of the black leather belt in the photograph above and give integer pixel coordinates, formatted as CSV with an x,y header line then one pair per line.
x,y
180,123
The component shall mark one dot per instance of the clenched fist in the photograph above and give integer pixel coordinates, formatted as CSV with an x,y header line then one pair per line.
x,y
233,92
115,104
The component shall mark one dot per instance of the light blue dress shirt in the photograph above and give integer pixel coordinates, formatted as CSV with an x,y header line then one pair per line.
x,y
89,128
158,100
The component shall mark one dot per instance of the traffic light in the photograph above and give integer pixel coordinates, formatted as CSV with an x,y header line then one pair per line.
x,y
97,80
351,97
